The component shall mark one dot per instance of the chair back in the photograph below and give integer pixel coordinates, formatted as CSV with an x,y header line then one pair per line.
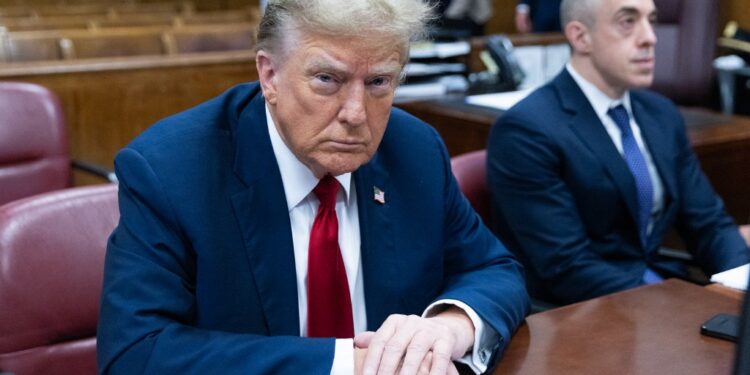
x,y
686,33
470,172
52,250
34,154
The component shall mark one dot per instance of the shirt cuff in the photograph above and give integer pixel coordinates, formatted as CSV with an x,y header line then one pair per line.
x,y
485,337
522,8
343,357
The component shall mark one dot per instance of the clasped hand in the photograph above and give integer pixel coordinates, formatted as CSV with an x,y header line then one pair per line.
x,y
411,344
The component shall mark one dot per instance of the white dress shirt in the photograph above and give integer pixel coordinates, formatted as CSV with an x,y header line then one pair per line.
x,y
299,183
602,103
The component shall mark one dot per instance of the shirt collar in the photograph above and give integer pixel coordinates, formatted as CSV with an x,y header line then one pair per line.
x,y
297,178
599,100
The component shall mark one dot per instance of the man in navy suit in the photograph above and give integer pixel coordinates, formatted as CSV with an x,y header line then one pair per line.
x,y
235,212
588,173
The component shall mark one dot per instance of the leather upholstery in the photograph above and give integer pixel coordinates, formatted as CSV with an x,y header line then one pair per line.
x,y
470,172
34,154
686,31
52,250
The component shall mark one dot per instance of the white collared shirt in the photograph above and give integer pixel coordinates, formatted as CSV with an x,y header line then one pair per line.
x,y
601,104
298,183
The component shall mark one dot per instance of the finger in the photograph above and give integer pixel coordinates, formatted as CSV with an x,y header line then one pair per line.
x,y
424,367
363,339
452,370
441,356
393,352
377,343
416,352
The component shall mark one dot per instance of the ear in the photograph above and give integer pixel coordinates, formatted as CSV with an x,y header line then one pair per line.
x,y
267,73
579,37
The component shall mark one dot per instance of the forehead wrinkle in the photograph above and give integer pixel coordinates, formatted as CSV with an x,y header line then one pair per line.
x,y
634,9
326,62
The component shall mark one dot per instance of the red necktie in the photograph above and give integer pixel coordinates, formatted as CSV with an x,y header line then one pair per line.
x,y
329,307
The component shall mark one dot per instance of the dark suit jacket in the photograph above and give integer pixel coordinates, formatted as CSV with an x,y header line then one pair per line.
x,y
565,200
545,14
200,276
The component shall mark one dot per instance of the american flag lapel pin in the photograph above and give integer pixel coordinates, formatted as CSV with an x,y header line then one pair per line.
x,y
378,195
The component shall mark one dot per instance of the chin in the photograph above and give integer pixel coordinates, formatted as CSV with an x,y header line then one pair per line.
x,y
641,82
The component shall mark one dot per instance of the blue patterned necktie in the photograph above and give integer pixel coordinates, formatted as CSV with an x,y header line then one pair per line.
x,y
637,164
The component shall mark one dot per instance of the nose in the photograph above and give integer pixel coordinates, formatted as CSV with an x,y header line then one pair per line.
x,y
353,109
648,35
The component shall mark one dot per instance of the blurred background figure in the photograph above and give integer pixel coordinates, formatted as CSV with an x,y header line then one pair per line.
x,y
537,16
464,18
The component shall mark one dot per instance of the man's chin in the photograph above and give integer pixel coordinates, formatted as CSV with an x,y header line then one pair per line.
x,y
642,82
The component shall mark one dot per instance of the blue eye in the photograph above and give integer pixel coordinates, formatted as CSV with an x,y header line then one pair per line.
x,y
380,81
324,78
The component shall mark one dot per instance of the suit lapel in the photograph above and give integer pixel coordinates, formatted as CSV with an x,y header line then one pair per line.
x,y
377,240
586,125
263,217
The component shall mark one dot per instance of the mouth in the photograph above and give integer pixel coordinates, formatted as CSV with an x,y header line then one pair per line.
x,y
346,145
644,62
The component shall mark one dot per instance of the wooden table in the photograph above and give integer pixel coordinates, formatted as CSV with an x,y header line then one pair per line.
x,y
722,142
653,329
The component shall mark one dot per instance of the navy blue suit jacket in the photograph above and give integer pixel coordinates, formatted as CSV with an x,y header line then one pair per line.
x,y
200,276
545,14
565,200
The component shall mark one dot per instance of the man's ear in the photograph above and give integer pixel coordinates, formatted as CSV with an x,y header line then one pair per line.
x,y
266,66
579,37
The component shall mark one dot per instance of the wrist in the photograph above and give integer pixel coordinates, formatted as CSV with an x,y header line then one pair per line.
x,y
461,326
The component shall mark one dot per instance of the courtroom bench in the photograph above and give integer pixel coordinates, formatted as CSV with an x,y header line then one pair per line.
x,y
97,21
127,41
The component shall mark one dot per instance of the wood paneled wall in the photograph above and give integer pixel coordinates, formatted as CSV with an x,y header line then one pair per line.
x,y
734,10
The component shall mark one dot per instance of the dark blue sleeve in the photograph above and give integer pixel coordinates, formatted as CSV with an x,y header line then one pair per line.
x,y
480,271
709,232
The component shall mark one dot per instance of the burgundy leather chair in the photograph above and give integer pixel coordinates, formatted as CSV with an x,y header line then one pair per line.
x,y
686,32
52,249
470,172
34,155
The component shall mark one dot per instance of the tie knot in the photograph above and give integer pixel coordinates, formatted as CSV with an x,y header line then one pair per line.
x,y
326,191
620,116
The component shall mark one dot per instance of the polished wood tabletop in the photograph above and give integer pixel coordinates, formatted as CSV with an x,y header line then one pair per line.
x,y
653,329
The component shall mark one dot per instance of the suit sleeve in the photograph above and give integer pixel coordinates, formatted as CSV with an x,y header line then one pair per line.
x,y
709,232
148,299
479,270
525,177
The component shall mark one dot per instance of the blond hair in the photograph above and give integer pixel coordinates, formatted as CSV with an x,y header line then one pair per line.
x,y
395,21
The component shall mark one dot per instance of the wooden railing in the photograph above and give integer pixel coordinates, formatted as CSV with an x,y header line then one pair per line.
x,y
51,45
140,16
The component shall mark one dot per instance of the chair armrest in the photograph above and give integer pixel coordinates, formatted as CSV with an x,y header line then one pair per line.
x,y
96,170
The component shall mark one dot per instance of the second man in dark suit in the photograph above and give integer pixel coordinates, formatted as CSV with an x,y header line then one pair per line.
x,y
589,172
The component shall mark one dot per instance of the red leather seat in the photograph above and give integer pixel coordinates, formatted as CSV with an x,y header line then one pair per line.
x,y
34,154
470,172
52,250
